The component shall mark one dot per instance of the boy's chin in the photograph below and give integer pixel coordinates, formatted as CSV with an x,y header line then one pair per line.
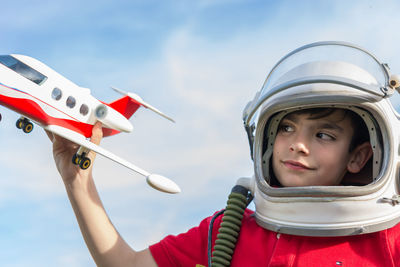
x,y
290,181
303,184
296,183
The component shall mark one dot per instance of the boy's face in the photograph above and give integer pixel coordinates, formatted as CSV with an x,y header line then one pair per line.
x,y
311,152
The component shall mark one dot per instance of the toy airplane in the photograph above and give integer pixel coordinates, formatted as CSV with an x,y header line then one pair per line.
x,y
45,97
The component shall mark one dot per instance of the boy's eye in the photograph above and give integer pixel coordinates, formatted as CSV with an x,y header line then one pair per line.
x,y
286,128
325,136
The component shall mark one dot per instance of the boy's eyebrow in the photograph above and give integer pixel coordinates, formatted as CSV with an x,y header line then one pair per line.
x,y
330,125
291,117
321,125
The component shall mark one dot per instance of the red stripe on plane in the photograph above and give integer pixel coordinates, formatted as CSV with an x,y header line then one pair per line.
x,y
32,110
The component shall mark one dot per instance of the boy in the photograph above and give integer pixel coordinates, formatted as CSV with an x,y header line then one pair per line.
x,y
304,147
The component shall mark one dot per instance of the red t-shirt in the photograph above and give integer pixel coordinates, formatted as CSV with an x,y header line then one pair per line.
x,y
257,246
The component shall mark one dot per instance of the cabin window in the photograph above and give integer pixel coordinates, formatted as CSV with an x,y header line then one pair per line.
x,y
22,69
84,110
56,94
71,102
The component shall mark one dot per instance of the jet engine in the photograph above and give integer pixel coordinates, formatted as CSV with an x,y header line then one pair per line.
x,y
112,118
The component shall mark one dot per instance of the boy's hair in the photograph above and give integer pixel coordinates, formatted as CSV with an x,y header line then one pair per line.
x,y
360,134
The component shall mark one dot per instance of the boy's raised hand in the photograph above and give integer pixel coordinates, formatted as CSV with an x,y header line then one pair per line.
x,y
104,242
63,151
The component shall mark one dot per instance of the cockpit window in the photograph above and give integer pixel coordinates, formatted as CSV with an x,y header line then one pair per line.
x,y
22,69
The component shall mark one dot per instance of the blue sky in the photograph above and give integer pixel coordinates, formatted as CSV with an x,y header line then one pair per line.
x,y
198,61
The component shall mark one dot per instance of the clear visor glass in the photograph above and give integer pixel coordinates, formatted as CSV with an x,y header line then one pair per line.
x,y
321,52
328,51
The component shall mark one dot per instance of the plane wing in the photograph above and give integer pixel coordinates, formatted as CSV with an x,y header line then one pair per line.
x,y
154,180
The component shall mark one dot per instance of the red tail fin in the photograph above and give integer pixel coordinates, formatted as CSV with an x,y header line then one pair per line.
x,y
125,105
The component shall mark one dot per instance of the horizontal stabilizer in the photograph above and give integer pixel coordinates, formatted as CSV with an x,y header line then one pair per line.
x,y
142,103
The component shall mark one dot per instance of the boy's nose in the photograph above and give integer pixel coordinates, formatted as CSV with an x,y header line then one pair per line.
x,y
300,146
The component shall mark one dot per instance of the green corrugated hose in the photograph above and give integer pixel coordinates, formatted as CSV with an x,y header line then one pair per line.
x,y
230,226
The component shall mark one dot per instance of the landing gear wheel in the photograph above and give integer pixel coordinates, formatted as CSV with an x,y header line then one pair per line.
x,y
28,127
19,123
84,163
24,124
75,159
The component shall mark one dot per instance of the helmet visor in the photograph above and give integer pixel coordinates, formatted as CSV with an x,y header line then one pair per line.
x,y
335,52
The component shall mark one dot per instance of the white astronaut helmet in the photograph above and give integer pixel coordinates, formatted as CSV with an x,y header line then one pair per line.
x,y
333,75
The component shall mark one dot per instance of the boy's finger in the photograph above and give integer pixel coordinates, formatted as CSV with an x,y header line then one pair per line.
x,y
50,135
97,133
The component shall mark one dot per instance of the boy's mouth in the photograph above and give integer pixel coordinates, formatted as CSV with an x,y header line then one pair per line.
x,y
295,165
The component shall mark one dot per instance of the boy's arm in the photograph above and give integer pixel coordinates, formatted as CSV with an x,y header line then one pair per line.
x,y
104,242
